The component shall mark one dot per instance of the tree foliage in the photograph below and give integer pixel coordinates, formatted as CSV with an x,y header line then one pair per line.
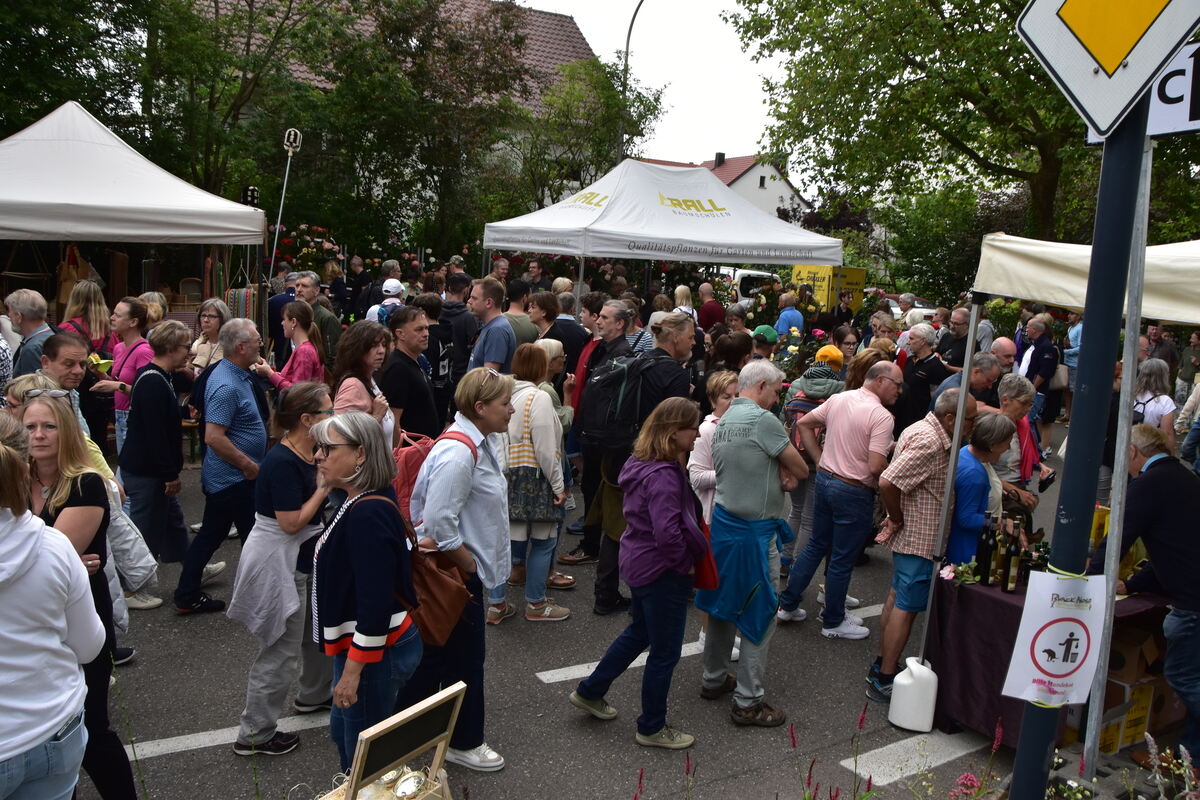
x,y
892,96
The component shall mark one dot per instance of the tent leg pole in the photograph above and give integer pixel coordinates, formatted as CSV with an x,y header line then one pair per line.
x,y
964,390
579,285
1111,247
1112,553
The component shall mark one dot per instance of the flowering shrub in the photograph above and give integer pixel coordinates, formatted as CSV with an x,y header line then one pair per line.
x,y
307,247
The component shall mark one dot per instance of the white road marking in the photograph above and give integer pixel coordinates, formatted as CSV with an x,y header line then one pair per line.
x,y
912,755
866,612
579,671
222,736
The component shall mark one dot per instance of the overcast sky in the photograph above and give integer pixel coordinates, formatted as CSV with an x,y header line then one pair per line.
x,y
714,100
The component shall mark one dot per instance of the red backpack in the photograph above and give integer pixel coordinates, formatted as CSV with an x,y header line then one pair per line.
x,y
411,454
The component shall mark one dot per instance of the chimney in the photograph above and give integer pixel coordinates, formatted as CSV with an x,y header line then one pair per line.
x,y
720,159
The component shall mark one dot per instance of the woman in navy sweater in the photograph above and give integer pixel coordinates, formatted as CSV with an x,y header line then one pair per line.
x,y
362,579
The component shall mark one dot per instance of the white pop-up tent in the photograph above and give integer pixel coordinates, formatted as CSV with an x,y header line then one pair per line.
x,y
1056,274
641,210
68,177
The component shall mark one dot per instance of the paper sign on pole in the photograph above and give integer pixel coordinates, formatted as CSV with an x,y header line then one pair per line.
x,y
1058,643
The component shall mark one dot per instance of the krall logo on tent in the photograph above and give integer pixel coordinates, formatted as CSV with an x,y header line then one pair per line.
x,y
688,204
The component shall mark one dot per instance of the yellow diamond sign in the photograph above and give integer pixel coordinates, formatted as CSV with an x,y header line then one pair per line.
x,y
1104,54
1109,29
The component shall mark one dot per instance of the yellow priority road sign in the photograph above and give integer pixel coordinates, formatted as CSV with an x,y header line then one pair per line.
x,y
1104,54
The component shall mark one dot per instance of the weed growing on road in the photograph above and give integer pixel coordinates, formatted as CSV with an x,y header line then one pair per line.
x,y
128,727
812,791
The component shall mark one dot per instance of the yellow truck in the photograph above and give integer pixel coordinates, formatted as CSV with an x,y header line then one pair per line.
x,y
829,282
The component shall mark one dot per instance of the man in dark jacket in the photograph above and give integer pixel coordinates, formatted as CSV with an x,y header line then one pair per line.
x,y
1168,529
356,283
464,326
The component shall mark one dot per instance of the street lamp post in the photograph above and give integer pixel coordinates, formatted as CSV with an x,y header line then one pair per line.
x,y
625,85
291,143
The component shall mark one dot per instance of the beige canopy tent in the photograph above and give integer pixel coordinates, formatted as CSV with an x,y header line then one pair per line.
x,y
1056,274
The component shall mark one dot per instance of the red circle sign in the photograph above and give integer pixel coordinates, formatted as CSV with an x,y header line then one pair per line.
x,y
1071,653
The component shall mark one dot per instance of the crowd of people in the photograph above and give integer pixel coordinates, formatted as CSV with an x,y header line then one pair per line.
x,y
378,421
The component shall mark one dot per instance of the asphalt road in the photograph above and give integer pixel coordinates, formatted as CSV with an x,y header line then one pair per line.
x,y
189,677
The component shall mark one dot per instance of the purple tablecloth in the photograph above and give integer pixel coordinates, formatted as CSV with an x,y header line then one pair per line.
x,y
972,629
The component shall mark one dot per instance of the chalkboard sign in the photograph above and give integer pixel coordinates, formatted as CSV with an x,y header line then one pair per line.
x,y
404,736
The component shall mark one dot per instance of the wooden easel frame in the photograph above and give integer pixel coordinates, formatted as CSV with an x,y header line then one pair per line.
x,y
356,779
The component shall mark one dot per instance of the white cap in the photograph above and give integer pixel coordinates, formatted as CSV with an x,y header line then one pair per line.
x,y
392,287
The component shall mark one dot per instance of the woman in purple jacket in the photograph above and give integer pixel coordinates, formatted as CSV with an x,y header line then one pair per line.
x,y
662,544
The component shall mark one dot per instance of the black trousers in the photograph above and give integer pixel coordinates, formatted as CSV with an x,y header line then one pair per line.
x,y
104,757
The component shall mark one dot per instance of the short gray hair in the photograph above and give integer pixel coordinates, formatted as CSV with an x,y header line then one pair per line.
x,y
362,430
907,297
234,332
213,304
1041,326
621,311
984,362
390,267
925,331
759,370
1015,387
992,429
291,277
946,403
309,275
566,302
27,303
1149,440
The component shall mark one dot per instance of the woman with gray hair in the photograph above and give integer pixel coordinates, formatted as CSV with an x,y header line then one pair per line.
x,y
362,579
977,489
206,350
1152,397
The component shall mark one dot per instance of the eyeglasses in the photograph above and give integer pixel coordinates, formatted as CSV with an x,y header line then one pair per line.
x,y
210,316
48,392
899,384
850,343
320,411
492,374
323,449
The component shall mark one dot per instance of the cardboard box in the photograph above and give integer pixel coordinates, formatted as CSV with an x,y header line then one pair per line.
x,y
1167,709
1127,707
1133,651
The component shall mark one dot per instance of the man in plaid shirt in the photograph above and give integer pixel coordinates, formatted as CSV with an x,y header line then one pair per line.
x,y
912,487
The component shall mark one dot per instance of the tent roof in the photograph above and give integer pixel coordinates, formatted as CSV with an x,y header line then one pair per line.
x,y
67,176
642,210
1056,274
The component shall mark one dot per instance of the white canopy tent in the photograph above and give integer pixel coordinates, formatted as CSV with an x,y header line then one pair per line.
x,y
68,177
641,210
1056,274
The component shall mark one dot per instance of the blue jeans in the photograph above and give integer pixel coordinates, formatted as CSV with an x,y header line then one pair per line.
x,y
46,771
841,523
1181,668
231,506
660,612
537,569
378,687
1188,452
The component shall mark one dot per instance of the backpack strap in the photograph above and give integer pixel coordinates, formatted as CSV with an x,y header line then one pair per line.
x,y
459,436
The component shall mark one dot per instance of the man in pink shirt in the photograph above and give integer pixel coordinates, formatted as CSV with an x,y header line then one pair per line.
x,y
858,438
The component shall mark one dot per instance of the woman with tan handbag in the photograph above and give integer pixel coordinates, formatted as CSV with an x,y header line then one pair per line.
x,y
536,494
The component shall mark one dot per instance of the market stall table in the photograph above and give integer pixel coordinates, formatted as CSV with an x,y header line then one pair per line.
x,y
971,634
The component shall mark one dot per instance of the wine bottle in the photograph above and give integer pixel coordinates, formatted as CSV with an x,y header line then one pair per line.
x,y
998,546
1026,568
983,551
1012,564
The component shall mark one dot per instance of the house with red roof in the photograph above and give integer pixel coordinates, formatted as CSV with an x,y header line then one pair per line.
x,y
764,184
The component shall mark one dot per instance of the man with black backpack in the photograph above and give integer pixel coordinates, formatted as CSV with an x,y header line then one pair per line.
x,y
372,295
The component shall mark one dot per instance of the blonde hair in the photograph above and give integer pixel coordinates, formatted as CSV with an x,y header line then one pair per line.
x,y
154,314
73,459
17,387
718,382
885,346
87,303
481,385
656,441
14,465
683,295
561,285
333,270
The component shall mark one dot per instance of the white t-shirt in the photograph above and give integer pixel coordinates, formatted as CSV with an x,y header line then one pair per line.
x,y
48,627
1153,408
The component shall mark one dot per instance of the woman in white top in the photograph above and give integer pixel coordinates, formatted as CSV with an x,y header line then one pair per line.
x,y
683,302
1153,397
722,388
533,440
48,629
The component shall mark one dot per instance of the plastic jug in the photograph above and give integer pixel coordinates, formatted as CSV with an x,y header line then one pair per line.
x,y
914,695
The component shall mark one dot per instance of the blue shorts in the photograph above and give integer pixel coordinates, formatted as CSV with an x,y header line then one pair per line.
x,y
911,577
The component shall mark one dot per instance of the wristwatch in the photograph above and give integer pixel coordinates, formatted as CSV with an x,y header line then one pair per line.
x,y
124,389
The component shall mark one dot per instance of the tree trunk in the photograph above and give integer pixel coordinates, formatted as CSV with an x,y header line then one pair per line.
x,y
1043,190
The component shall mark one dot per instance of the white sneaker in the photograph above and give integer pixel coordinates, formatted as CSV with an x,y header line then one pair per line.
x,y
142,600
480,759
853,620
195,527
851,602
796,615
847,630
569,504
211,571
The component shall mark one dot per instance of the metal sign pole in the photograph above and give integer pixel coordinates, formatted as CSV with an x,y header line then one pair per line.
x,y
1112,553
1111,243
292,139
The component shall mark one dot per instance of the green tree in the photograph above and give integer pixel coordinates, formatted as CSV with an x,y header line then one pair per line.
x,y
889,96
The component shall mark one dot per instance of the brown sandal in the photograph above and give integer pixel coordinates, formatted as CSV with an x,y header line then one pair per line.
x,y
559,581
759,714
